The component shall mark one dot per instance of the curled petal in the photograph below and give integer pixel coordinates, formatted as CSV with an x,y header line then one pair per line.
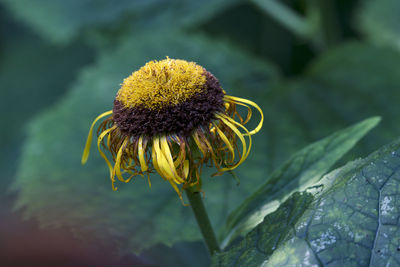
x,y
240,101
246,150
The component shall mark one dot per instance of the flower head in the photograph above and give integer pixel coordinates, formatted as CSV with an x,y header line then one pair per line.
x,y
172,116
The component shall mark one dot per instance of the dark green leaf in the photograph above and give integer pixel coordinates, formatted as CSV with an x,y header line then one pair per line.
x,y
57,190
350,219
32,77
25,90
61,21
304,168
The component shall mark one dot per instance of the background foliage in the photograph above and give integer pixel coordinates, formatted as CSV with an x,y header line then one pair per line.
x,y
314,69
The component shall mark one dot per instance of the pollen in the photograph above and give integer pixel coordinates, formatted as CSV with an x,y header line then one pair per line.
x,y
160,84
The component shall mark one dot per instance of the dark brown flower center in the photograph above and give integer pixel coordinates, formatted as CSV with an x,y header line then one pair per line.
x,y
183,118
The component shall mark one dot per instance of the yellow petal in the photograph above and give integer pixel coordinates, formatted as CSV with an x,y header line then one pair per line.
x,y
99,139
141,151
117,166
162,162
181,154
198,143
241,126
204,142
86,151
226,141
186,168
169,160
231,124
155,162
249,111
238,99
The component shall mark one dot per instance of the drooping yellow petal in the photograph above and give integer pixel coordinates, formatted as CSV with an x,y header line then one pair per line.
x,y
179,160
141,151
117,166
249,111
162,162
186,169
108,140
238,99
226,141
86,150
229,119
163,167
159,159
168,155
181,155
231,124
170,162
155,162
207,145
198,143
99,139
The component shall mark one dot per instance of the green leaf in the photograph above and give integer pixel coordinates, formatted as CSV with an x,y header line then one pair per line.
x,y
54,187
359,81
28,88
351,218
25,90
345,85
379,21
304,168
61,21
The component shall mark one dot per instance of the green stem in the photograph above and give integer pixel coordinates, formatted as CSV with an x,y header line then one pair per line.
x,y
202,220
285,16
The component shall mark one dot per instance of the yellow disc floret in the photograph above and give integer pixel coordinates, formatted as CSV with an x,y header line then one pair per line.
x,y
162,83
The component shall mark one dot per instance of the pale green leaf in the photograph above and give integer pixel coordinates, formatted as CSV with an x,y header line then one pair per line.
x,y
350,218
303,168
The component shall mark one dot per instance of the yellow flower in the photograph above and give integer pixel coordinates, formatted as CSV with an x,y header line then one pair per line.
x,y
172,116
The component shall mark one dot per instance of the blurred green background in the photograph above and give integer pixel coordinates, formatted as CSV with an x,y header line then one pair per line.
x,y
313,66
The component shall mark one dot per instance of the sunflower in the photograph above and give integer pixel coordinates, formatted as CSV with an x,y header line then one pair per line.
x,y
172,116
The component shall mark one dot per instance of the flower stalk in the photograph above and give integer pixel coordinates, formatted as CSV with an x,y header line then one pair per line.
x,y
200,213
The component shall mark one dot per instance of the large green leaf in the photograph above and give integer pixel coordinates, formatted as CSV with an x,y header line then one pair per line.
x,y
61,21
347,84
303,169
350,218
57,190
379,21
26,86
25,89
